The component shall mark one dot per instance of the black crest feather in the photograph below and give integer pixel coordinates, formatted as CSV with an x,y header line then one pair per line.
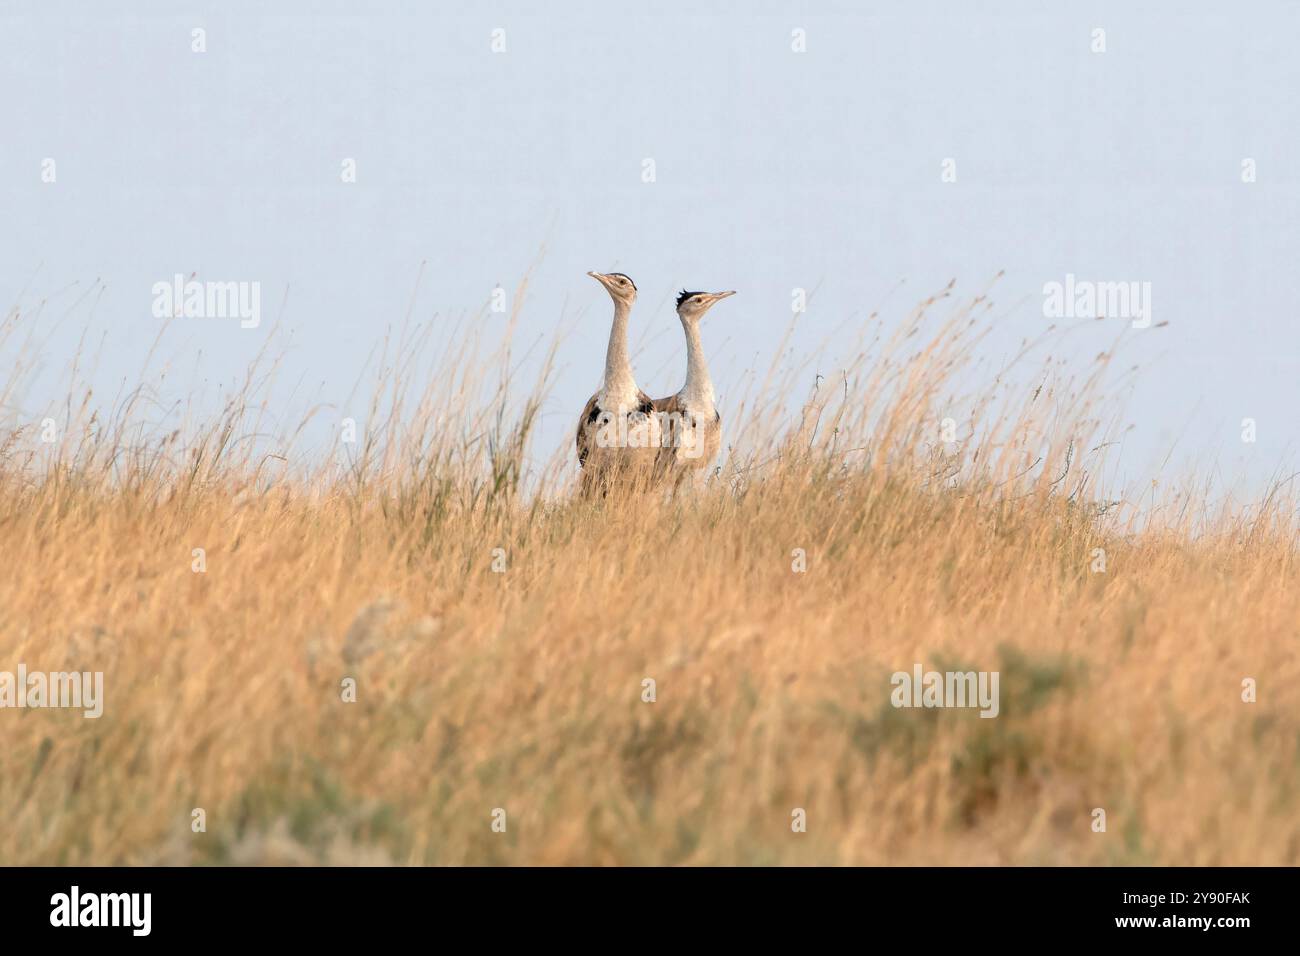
x,y
686,295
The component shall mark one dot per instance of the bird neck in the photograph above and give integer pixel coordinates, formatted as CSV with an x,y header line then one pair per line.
x,y
699,387
619,383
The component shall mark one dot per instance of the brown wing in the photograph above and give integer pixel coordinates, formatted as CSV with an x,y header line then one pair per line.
x,y
672,406
583,438
713,438
712,433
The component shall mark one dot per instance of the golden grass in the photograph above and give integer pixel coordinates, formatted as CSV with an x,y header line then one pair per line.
x,y
522,689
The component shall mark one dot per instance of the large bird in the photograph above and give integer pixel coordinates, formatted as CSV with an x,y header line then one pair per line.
x,y
618,435
690,423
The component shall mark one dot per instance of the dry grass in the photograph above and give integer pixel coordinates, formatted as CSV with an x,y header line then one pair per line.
x,y
523,690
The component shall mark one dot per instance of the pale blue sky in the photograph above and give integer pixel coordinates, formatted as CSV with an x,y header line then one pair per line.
x,y
774,170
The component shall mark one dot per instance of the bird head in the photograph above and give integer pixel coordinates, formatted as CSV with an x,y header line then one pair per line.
x,y
621,288
691,306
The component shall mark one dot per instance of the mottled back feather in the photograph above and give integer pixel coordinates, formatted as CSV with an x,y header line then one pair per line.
x,y
617,464
671,456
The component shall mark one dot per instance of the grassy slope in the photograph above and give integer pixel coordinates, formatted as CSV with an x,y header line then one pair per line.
x,y
522,689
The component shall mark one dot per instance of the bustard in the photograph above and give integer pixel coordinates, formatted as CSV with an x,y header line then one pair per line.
x,y
690,423
618,436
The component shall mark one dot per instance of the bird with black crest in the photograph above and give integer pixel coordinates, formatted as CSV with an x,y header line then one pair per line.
x,y
689,421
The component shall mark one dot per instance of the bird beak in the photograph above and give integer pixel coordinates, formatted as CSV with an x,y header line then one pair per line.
x,y
715,297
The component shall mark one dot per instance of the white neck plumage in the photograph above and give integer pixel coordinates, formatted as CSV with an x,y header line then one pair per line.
x,y
620,386
698,391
